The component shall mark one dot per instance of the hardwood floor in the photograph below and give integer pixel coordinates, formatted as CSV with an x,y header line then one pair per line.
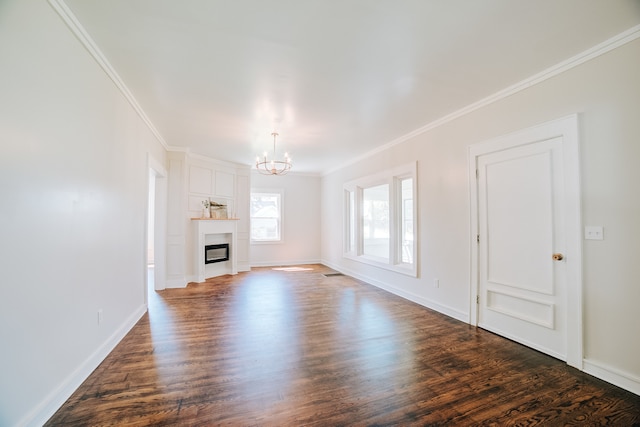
x,y
293,347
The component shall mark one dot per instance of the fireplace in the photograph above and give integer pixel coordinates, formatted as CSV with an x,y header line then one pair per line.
x,y
216,253
214,232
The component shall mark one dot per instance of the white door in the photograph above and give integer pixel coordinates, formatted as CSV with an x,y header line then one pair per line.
x,y
524,283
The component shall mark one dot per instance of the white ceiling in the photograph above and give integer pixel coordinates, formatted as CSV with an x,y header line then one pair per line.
x,y
336,78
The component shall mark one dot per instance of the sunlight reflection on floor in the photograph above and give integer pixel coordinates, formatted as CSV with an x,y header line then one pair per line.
x,y
292,268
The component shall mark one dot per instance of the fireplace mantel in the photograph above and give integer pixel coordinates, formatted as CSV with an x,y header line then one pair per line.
x,y
204,227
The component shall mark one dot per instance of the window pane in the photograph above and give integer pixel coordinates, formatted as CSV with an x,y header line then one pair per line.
x,y
350,218
265,216
380,220
375,221
352,221
406,235
265,229
265,205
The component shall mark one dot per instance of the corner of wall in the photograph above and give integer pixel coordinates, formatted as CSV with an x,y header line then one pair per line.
x,y
42,412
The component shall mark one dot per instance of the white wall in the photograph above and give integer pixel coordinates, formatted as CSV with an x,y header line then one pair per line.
x,y
606,93
73,177
301,221
151,217
73,191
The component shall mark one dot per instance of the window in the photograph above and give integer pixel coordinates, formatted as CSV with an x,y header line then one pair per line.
x,y
379,219
349,231
375,221
406,216
266,216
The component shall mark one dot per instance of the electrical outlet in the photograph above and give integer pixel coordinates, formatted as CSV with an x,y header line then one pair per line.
x,y
436,283
594,232
100,316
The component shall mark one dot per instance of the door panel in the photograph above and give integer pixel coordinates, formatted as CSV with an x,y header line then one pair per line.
x,y
522,291
519,209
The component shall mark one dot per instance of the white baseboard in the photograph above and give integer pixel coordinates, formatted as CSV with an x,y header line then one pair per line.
x,y
425,302
177,283
244,266
612,375
526,343
599,370
284,263
41,413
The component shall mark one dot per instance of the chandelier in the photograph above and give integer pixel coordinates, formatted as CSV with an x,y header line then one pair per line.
x,y
273,166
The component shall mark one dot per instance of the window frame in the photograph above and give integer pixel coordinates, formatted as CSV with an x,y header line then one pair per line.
x,y
268,191
402,220
353,236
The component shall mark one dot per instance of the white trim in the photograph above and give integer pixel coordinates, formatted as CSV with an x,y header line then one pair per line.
x,y
425,302
401,268
179,283
224,229
608,45
614,376
50,404
526,343
85,39
218,162
265,242
599,370
548,322
600,49
567,128
174,149
389,177
285,263
158,167
160,225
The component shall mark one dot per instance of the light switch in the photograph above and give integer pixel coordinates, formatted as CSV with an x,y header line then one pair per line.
x,y
594,232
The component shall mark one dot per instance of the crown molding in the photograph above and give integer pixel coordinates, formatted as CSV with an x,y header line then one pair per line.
x,y
175,149
85,39
608,45
600,49
196,156
226,163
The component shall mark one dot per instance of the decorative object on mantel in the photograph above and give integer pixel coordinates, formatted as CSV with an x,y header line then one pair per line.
x,y
205,210
214,219
273,166
218,210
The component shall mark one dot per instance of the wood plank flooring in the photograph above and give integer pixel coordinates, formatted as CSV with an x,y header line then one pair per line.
x,y
293,347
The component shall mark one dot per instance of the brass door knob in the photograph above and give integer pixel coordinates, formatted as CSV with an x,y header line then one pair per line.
x,y
557,257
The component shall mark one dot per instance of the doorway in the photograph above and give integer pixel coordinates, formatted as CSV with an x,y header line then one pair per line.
x,y
155,259
526,245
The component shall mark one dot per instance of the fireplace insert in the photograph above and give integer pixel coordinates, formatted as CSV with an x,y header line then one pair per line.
x,y
216,253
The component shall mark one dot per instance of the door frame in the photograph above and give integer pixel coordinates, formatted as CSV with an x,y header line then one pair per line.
x,y
567,129
156,171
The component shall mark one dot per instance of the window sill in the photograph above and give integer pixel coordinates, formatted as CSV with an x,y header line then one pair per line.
x,y
267,242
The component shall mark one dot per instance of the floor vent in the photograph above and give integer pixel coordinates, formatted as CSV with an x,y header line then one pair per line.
x,y
332,274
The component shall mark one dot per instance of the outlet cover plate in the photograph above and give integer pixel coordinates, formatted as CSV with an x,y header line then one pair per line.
x,y
594,232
